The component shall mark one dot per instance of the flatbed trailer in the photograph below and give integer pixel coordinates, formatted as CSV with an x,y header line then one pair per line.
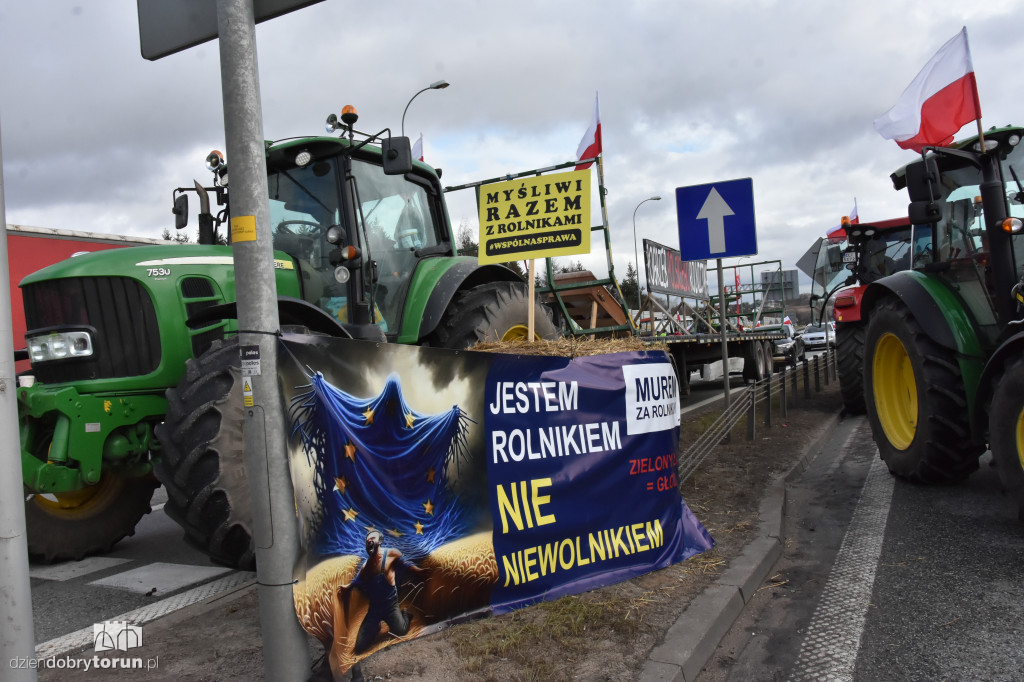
x,y
693,353
679,313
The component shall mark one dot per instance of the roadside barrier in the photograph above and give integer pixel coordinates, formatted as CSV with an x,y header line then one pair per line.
x,y
780,390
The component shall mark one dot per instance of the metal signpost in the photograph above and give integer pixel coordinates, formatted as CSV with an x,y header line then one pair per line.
x,y
165,28
716,220
17,639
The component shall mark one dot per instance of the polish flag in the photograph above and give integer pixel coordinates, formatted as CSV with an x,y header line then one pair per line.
x,y
939,101
417,148
590,145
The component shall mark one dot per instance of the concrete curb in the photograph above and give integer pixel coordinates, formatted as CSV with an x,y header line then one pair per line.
x,y
691,641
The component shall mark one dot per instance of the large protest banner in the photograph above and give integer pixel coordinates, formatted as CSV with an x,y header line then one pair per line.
x,y
433,485
540,217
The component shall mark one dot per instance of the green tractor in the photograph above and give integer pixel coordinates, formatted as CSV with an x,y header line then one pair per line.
x,y
943,364
135,378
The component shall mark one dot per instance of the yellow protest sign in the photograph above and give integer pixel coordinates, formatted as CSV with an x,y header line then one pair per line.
x,y
540,217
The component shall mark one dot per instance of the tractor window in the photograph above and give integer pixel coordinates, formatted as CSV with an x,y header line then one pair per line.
x,y
887,252
397,220
303,204
394,212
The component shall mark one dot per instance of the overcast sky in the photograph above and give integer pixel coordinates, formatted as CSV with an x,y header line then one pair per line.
x,y
95,138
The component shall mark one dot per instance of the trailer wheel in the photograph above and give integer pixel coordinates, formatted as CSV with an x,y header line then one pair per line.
x,y
753,361
72,525
1006,432
850,364
917,406
769,358
492,312
202,463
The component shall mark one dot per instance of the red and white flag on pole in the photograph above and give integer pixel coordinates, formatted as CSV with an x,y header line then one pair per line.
x,y
417,148
590,145
939,101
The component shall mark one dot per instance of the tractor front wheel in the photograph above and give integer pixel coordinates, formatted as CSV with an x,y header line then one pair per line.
x,y
492,312
1006,432
202,463
915,400
71,525
850,365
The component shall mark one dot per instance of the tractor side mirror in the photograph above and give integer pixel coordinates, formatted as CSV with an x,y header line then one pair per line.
x,y
397,155
925,212
180,211
923,180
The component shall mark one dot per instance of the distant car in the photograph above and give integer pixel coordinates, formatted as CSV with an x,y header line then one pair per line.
x,y
815,335
791,348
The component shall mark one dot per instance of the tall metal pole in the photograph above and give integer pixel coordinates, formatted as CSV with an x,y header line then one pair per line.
x,y
636,257
285,646
722,330
17,637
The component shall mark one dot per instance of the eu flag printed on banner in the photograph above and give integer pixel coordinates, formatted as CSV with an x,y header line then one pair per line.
x,y
546,476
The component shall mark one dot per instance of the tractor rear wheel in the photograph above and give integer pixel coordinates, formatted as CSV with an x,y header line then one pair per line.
x,y
915,400
202,463
1006,432
492,312
71,525
850,364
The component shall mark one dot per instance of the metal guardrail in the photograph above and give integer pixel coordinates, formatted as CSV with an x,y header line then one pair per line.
x,y
810,375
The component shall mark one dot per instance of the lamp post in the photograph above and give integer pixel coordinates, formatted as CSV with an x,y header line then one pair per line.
x,y
438,85
636,253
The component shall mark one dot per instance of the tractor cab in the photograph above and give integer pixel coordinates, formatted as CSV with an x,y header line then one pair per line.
x,y
972,203
357,219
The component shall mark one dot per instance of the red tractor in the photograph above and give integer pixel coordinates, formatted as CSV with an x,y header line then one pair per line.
x,y
848,261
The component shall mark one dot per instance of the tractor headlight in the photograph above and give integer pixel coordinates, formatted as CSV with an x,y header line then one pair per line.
x,y
60,346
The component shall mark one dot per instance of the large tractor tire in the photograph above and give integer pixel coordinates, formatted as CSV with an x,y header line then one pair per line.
x,y
202,463
1006,432
915,400
65,526
850,364
492,312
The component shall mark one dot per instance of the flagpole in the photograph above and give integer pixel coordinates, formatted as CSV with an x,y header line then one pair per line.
x,y
607,240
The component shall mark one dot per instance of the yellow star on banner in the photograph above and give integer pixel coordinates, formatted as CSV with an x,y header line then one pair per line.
x,y
419,528
431,472
350,451
409,420
395,533
369,416
428,507
340,484
350,514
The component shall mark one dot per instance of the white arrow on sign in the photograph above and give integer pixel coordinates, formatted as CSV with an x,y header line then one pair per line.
x,y
714,211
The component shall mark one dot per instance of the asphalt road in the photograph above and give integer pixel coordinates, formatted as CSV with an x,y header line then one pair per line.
x,y
147,575
883,580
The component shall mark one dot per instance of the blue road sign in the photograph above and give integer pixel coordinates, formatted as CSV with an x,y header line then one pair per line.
x,y
716,220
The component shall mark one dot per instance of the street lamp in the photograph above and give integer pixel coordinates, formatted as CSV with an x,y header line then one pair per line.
x,y
636,253
439,85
